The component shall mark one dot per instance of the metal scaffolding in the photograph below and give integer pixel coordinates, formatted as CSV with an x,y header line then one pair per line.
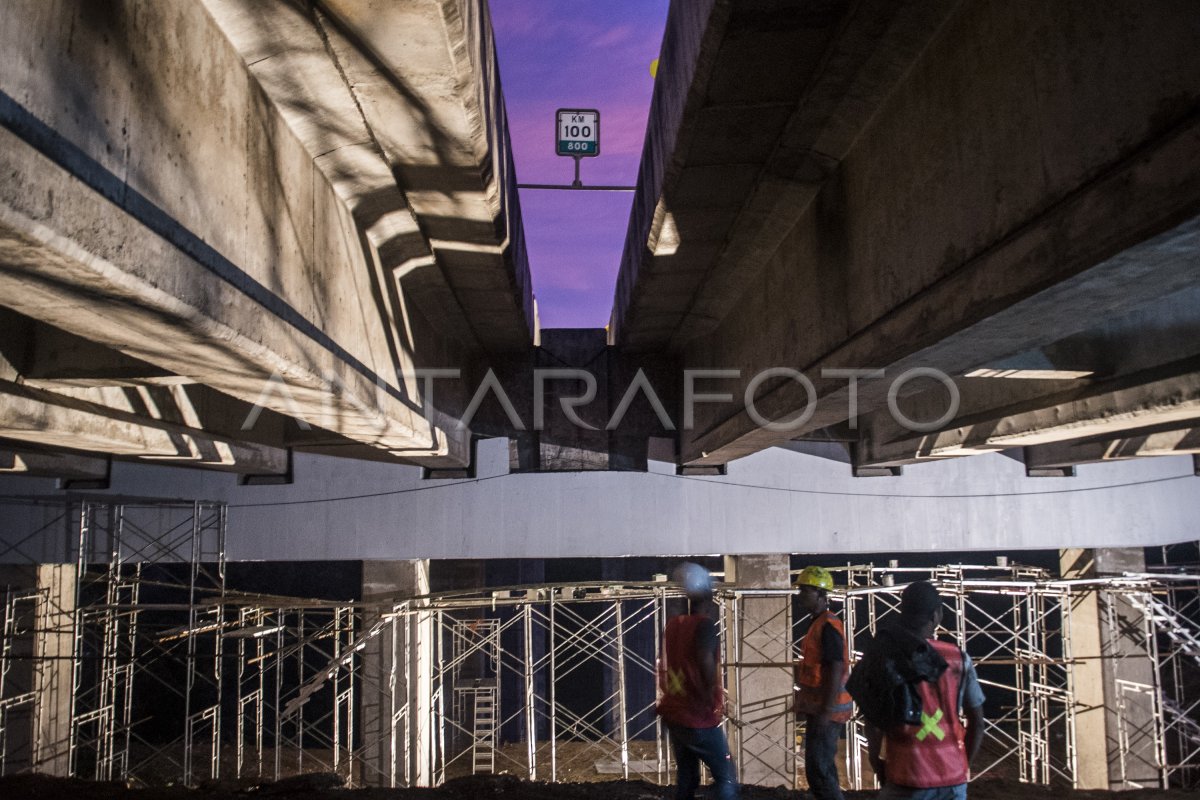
x,y
538,645
17,695
131,659
101,595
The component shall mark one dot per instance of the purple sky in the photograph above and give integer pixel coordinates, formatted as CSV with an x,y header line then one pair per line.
x,y
574,54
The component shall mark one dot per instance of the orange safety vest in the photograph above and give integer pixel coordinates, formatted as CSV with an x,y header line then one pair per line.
x,y
681,701
933,754
809,672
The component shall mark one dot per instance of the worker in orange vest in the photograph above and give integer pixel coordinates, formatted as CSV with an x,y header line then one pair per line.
x,y
929,761
821,698
691,698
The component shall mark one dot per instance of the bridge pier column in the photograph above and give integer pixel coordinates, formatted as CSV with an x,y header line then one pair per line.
x,y
397,679
1113,676
54,647
758,669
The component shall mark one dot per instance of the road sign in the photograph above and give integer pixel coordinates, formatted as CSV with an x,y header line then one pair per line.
x,y
577,132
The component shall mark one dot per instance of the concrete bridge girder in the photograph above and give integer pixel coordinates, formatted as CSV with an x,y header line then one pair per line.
x,y
1135,444
409,129
197,327
201,189
1000,184
38,417
84,397
1084,413
49,464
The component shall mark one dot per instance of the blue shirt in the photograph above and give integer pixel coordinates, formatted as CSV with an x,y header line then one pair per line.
x,y
970,693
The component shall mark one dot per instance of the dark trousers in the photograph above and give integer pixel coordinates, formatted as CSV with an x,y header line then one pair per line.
x,y
820,759
693,745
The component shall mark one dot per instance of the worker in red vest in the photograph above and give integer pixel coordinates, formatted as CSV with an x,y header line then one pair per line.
x,y
931,761
690,695
821,698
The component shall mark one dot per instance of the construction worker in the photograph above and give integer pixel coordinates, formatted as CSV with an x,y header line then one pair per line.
x,y
690,695
929,760
821,698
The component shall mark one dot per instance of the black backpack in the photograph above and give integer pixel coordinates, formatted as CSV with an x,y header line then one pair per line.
x,y
884,682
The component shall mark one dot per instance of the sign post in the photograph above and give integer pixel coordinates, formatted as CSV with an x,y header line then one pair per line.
x,y
577,134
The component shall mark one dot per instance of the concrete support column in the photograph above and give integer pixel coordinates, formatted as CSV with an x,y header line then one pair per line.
x,y
1113,676
758,669
54,649
397,679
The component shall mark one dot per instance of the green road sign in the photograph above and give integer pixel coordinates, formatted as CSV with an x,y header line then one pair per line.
x,y
577,132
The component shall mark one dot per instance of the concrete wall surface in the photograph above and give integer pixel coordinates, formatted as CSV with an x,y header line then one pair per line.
x,y
776,501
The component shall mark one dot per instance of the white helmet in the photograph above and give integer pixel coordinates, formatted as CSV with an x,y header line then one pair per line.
x,y
695,580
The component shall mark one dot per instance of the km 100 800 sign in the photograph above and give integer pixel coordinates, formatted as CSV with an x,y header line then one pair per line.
x,y
578,132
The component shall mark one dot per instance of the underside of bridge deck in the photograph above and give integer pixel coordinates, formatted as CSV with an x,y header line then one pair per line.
x,y
234,229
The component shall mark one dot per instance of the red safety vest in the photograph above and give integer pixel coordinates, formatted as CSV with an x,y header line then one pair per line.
x,y
810,672
680,698
933,754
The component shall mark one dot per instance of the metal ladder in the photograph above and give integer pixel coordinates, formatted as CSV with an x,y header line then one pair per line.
x,y
483,743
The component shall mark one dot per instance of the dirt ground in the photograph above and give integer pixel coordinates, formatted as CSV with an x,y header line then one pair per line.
x,y
499,787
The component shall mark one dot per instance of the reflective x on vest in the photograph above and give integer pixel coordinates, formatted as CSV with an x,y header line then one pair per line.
x,y
675,681
930,725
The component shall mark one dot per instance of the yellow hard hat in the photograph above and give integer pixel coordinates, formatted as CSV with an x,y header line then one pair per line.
x,y
815,576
